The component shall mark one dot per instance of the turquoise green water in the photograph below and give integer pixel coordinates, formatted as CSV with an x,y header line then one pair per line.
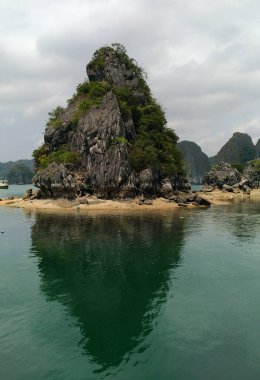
x,y
147,296
15,190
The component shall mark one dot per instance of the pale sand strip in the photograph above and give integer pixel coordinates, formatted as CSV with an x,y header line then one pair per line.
x,y
218,197
215,197
105,205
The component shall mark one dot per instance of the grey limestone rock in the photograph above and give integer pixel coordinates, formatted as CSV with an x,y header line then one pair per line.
x,y
31,195
228,188
113,71
224,177
222,174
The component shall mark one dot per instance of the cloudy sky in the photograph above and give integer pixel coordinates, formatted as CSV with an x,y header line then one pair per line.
x,y
202,58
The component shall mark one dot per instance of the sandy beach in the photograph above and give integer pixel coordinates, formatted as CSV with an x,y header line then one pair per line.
x,y
216,198
98,205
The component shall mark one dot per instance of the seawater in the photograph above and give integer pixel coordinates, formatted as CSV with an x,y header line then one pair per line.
x,y
144,296
15,190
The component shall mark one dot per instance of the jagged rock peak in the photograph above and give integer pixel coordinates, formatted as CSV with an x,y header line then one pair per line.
x,y
112,139
112,64
239,149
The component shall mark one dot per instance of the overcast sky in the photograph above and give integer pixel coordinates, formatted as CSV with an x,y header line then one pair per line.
x,y
202,58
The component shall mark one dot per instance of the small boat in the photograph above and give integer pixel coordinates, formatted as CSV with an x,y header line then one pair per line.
x,y
3,183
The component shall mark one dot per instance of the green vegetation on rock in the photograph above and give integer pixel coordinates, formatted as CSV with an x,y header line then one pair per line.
x,y
55,117
99,60
63,155
256,165
89,94
156,149
121,140
240,167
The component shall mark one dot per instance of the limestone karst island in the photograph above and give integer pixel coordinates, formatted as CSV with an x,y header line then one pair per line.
x,y
111,142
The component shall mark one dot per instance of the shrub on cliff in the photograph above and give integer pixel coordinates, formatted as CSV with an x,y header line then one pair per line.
x,y
62,156
55,117
256,165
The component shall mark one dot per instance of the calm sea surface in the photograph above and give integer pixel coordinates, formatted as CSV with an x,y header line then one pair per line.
x,y
147,296
15,190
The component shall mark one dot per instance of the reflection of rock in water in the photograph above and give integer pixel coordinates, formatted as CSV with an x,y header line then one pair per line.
x,y
111,272
245,224
242,220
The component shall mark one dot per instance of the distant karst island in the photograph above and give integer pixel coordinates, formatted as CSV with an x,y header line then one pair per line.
x,y
17,172
238,151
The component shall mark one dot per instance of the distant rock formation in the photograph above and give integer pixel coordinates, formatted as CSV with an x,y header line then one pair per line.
x,y
197,162
225,177
257,149
239,149
222,174
112,139
17,172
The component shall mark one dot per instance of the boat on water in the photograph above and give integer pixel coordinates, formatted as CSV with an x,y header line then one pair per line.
x,y
3,183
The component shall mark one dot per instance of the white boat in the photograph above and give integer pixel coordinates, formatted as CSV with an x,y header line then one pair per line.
x,y
3,183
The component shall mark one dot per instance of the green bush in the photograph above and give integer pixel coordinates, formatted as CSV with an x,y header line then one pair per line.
x,y
83,88
157,151
121,140
142,157
39,155
125,110
74,119
240,167
55,117
256,166
64,156
84,105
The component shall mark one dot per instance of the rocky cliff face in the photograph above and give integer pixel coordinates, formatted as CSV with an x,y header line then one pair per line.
x,y
239,149
197,161
112,139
